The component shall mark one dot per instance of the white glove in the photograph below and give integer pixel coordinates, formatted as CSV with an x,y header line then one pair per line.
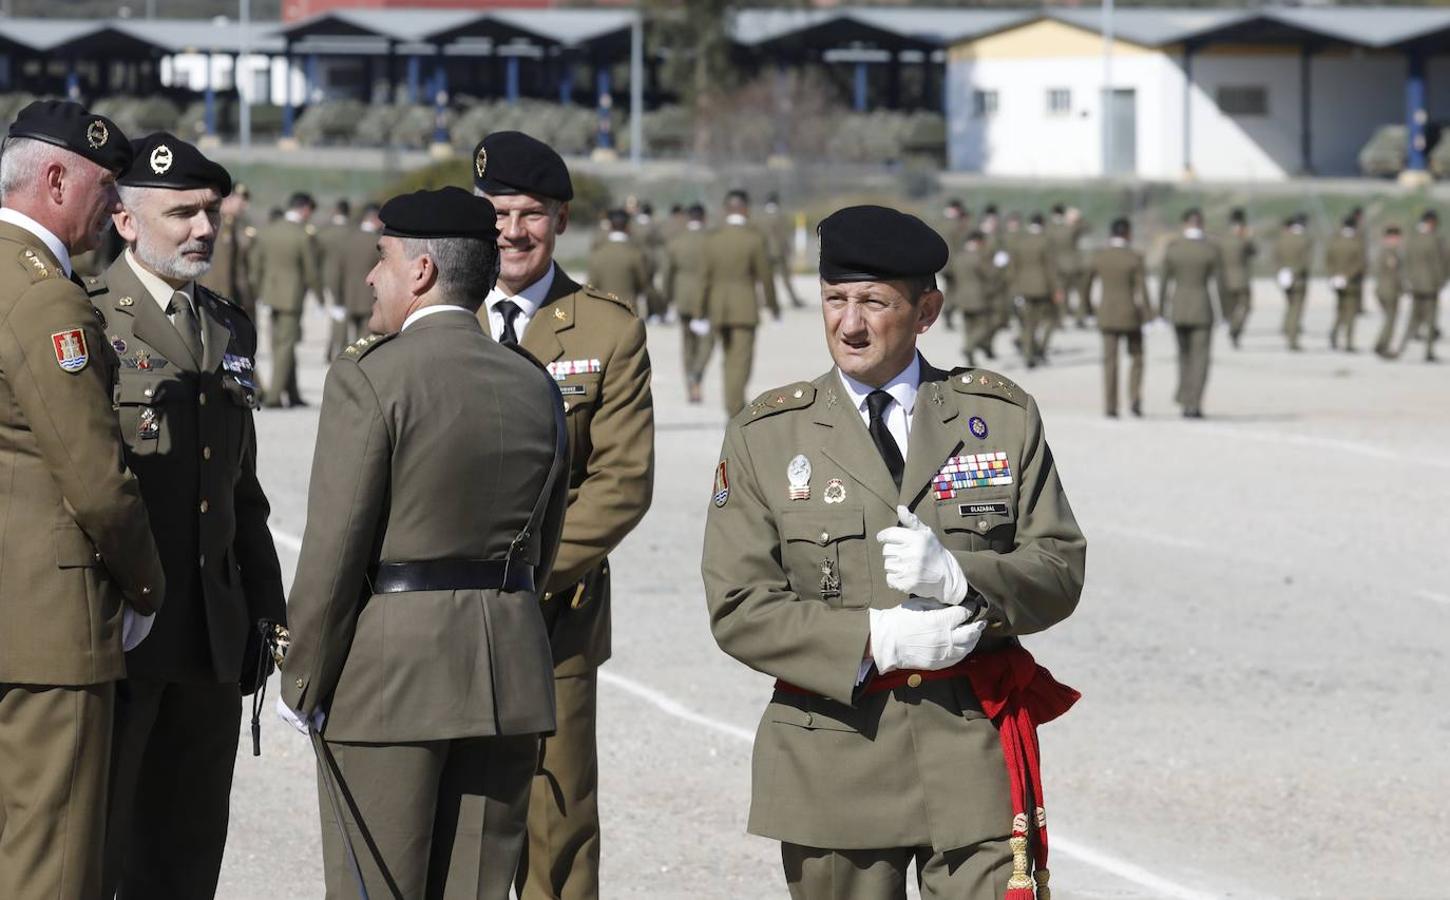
x,y
1338,282
296,720
336,313
134,628
921,634
1000,259
700,327
1286,278
917,563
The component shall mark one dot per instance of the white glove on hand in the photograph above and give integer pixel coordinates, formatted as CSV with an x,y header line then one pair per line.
x,y
921,634
134,628
1285,278
917,563
296,720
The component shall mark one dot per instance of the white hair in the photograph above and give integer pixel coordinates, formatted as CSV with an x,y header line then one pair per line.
x,y
168,262
23,159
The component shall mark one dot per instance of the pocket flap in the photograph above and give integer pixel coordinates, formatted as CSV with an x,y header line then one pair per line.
x,y
814,713
143,391
821,526
980,515
73,550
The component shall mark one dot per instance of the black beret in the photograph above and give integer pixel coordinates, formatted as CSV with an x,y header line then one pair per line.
x,y
66,124
450,212
874,243
163,160
511,162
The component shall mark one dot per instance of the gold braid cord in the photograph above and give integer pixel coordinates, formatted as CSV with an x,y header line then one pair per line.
x,y
1019,880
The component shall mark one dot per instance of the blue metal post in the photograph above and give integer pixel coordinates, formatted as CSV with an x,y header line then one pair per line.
x,y
72,81
566,83
210,115
440,99
859,99
604,138
511,80
288,112
1415,113
415,78
311,90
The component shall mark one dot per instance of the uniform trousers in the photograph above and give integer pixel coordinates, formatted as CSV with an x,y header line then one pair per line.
x,y
977,872
1294,314
1193,347
349,328
1347,303
55,746
1424,314
286,333
1384,345
737,344
561,858
1036,323
978,331
427,820
780,266
1236,310
1134,341
173,750
1074,298
696,350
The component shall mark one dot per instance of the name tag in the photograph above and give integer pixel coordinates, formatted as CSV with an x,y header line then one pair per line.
x,y
982,509
571,389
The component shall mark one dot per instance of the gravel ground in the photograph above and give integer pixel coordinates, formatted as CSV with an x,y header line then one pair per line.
x,y
1259,644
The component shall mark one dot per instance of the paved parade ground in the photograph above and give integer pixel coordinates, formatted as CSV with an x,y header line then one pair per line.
x,y
1260,643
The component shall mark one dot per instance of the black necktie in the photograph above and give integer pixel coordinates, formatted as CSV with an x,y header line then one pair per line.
x,y
876,402
510,311
184,320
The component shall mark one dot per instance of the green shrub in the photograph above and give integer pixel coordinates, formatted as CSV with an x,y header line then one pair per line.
x,y
329,122
138,117
12,104
591,194
568,129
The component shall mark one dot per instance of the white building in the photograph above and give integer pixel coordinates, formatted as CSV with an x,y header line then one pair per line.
x,y
1213,94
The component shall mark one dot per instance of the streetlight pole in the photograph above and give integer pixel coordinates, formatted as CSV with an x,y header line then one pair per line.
x,y
244,102
1107,96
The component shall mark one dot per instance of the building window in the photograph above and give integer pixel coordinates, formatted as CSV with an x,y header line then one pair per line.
x,y
1243,101
1059,101
984,104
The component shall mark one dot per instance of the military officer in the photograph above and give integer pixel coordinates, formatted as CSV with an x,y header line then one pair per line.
x,y
1344,258
82,578
1292,253
1185,297
360,254
228,273
420,658
995,248
1427,268
1065,233
1235,284
594,346
686,278
973,275
649,236
331,241
739,263
619,265
1034,279
780,239
284,269
1123,310
186,397
1389,287
956,224
877,539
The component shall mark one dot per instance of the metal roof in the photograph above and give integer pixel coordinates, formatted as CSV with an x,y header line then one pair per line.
x,y
570,27
47,34
166,35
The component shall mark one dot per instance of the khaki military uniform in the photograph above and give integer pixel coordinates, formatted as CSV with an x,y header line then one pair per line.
x,y
620,267
1190,265
739,264
686,280
1034,279
780,236
75,545
610,416
434,697
1389,287
1292,253
1123,310
331,241
852,782
229,275
284,269
973,283
1427,268
360,254
995,249
1071,274
1235,281
190,440
1345,260
650,238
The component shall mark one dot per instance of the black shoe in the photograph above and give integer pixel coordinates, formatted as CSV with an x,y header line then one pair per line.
x,y
1192,414
1112,414
296,403
1138,410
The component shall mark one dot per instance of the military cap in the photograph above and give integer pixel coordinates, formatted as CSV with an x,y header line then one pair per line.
x,y
511,162
450,212
69,125
874,243
163,160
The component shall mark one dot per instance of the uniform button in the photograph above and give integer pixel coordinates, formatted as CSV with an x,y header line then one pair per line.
x,y
825,536
145,591
205,506
810,719
913,680
202,561
148,392
202,400
981,524
206,453
566,406
97,557
298,682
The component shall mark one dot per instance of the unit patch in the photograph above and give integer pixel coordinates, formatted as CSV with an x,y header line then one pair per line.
x,y
971,470
70,349
722,485
978,427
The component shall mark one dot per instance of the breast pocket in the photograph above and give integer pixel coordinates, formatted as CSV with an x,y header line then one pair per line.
x,y
824,553
141,408
979,523
580,392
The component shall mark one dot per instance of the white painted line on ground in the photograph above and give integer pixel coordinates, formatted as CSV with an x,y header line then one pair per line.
x,y
1130,872
284,539
1431,595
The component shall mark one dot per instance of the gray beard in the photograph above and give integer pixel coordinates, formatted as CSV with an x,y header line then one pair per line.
x,y
177,266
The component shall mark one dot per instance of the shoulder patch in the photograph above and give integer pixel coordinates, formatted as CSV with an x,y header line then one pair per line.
x,y
363,346
36,266
792,396
982,381
597,294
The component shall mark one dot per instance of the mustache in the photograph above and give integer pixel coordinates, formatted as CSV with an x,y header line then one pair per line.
x,y
195,247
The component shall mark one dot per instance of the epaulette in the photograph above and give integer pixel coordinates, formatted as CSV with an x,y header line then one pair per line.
x,y
363,346
792,396
982,381
37,267
597,294
226,301
94,285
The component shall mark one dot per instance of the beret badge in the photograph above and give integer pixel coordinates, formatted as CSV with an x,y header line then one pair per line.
x,y
161,159
97,134
480,162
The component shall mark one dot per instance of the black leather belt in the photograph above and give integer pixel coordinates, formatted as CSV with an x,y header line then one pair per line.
x,y
453,575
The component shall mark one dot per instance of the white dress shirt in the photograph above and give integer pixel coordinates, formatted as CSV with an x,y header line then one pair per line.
x,y
426,311
902,389
529,300
54,244
157,287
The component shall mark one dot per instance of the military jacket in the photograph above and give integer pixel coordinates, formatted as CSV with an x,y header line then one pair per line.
x,y
1389,275
1236,260
191,441
413,467
973,278
331,242
619,267
284,265
594,346
1426,264
686,272
1121,272
789,580
1344,256
1034,271
228,275
1190,265
1292,252
360,254
1064,238
75,539
739,265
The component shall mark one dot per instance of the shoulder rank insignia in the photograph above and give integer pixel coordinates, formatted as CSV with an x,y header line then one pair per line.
x,y
981,381
595,292
792,396
361,347
36,266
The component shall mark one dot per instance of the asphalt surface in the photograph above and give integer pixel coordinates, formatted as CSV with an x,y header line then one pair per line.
x,y
1260,644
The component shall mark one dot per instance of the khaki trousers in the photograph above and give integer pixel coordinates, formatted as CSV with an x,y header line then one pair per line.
x,y
697,349
1384,345
978,331
349,328
55,747
1193,347
1347,304
781,268
737,343
1134,341
173,750
286,333
561,860
1036,325
1424,313
1236,305
435,819
978,872
1294,314
1074,298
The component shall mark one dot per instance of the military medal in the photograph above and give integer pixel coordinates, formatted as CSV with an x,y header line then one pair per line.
x,y
972,470
978,427
149,429
830,581
118,345
835,491
143,360
799,473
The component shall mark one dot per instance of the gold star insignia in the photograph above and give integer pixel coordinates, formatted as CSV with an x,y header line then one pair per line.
x,y
125,301
558,313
